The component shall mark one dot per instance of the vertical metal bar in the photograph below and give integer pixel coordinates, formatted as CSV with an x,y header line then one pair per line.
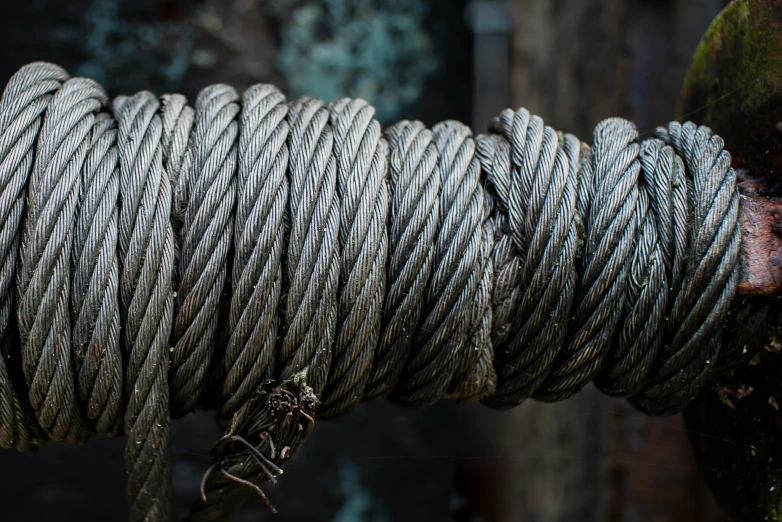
x,y
491,22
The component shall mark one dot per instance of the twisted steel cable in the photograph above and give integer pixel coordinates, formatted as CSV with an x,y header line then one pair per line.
x,y
22,106
494,154
208,182
415,215
710,274
44,281
538,192
651,274
178,119
146,251
259,243
411,264
313,256
611,224
475,376
95,294
361,152
457,271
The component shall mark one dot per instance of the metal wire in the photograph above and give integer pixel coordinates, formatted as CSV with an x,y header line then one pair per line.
x,y
260,257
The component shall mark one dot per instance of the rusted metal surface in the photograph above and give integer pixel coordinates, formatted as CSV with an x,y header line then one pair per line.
x,y
761,227
736,427
735,87
735,84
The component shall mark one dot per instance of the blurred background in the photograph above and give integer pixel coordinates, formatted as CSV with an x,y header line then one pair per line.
x,y
573,62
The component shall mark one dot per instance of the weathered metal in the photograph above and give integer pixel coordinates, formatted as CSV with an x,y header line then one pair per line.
x,y
761,226
735,83
735,86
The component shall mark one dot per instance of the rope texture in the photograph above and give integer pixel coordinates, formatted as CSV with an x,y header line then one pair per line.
x,y
266,258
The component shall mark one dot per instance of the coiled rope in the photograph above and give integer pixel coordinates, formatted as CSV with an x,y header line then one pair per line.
x,y
261,257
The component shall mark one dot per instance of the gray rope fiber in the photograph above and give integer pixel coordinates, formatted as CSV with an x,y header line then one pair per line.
x,y
274,259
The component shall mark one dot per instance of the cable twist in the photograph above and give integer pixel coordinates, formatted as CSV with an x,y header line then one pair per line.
x,y
146,251
413,265
361,154
457,270
178,119
45,270
538,192
95,295
611,220
710,274
639,341
475,377
208,185
414,219
313,250
259,243
22,106
493,152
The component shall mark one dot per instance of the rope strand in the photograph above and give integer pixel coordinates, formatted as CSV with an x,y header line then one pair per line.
x,y
146,250
266,257
22,106
206,197
361,154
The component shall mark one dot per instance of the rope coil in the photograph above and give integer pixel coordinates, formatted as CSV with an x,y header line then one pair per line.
x,y
262,257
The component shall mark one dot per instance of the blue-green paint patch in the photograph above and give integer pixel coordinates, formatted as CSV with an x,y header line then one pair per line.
x,y
359,504
378,51
113,44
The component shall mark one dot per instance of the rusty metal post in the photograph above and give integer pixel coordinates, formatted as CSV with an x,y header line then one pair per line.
x,y
735,86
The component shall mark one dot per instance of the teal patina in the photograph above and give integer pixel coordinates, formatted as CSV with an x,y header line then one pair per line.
x,y
378,51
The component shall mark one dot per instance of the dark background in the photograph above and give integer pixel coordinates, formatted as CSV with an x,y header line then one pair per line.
x,y
573,62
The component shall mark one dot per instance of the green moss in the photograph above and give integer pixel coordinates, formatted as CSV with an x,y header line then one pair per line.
x,y
734,83
738,60
774,514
